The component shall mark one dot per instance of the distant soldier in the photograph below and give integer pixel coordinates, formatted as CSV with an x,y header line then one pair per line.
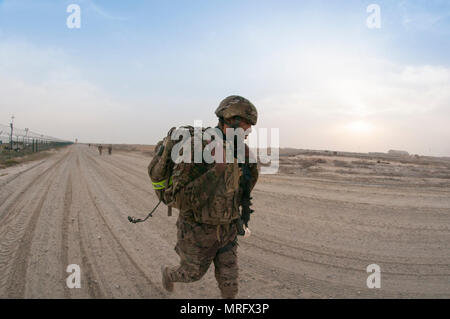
x,y
208,222
109,149
100,149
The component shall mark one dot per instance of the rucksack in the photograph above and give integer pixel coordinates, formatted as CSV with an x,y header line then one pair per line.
x,y
168,180
160,171
161,167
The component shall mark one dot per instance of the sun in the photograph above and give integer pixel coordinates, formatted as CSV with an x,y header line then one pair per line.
x,y
359,127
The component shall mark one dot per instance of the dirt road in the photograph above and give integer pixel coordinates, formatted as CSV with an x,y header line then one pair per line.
x,y
313,237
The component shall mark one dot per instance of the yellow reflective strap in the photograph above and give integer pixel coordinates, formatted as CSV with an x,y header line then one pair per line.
x,y
162,184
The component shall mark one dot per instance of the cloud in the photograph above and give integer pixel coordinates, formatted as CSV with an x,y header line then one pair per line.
x,y
324,81
322,91
312,95
416,16
99,10
48,94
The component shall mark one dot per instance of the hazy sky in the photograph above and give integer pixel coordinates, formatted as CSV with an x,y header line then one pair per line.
x,y
313,69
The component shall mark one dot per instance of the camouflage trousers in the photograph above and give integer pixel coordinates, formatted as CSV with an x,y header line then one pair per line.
x,y
199,245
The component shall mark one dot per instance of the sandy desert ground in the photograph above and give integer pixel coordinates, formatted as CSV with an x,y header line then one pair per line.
x,y
318,224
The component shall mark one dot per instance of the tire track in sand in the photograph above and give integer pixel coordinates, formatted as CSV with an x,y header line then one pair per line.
x,y
122,178
65,230
280,253
17,281
15,202
9,180
94,289
335,256
17,231
122,251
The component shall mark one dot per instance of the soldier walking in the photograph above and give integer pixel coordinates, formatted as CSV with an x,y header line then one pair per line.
x,y
209,220
100,147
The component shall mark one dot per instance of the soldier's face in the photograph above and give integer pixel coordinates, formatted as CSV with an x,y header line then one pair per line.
x,y
243,125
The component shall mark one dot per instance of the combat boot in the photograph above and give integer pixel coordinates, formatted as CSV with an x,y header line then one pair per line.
x,y
167,284
228,291
228,295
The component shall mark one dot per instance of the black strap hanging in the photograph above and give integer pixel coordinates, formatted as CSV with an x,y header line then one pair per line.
x,y
138,220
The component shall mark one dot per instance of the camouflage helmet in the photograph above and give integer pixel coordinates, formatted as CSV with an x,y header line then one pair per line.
x,y
235,105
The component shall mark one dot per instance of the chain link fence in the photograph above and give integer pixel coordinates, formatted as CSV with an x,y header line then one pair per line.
x,y
16,141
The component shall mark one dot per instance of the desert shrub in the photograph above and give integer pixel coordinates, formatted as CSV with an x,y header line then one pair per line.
x,y
339,163
365,163
305,163
315,170
10,162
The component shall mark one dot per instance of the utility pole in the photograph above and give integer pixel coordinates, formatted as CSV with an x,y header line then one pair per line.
x,y
12,125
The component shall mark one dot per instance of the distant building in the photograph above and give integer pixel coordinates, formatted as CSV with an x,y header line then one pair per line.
x,y
398,153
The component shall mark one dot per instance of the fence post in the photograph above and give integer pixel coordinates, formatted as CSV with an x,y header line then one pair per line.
x,y
11,125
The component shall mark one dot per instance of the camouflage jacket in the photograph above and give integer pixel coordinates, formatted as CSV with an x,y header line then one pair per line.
x,y
207,196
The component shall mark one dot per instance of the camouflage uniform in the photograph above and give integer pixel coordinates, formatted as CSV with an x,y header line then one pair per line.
x,y
200,243
207,224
